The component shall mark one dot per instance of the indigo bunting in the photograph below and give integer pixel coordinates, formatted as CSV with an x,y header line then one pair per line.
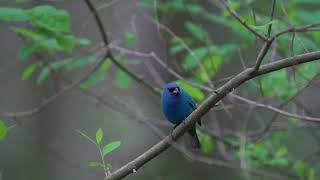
x,y
177,105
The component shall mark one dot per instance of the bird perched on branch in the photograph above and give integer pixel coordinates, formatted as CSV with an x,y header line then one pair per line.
x,y
177,105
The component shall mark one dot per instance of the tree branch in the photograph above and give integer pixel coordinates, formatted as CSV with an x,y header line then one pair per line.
x,y
111,57
206,106
242,21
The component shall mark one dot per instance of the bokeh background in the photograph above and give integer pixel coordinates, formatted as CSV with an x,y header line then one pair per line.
x,y
46,144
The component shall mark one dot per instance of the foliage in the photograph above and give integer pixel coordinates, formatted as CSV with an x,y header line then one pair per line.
x,y
104,150
3,130
207,143
213,55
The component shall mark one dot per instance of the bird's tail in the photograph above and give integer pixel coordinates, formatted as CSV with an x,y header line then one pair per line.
x,y
195,143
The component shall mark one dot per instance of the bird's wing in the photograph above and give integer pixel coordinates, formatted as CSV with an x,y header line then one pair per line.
x,y
193,105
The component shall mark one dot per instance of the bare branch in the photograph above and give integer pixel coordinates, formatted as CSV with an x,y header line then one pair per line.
x,y
242,21
110,56
271,17
257,104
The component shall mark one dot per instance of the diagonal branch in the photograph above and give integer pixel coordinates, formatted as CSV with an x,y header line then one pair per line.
x,y
206,106
242,21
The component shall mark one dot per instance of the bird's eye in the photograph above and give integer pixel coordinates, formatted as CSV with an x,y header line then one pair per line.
x,y
175,90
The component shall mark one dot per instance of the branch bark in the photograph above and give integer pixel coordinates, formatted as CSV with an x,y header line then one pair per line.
x,y
204,107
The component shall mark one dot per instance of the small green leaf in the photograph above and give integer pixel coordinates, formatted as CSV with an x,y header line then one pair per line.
x,y
83,41
28,71
93,80
282,151
279,162
263,27
105,65
22,1
110,147
299,168
190,61
130,39
13,14
27,50
67,42
45,72
29,33
196,30
207,144
3,130
195,92
311,175
123,80
61,63
96,164
77,63
50,18
175,49
108,166
99,135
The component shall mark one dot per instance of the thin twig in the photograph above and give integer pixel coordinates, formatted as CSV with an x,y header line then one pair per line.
x,y
111,57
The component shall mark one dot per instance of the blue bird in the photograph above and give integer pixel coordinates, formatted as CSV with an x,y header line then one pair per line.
x,y
177,105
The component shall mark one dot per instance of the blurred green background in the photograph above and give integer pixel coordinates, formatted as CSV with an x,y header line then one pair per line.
x,y
48,44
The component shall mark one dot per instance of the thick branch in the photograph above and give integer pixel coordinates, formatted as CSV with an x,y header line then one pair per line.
x,y
206,106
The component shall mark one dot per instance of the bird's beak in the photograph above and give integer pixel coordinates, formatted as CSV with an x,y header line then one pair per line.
x,y
176,91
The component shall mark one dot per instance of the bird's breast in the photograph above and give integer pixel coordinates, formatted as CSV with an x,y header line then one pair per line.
x,y
176,111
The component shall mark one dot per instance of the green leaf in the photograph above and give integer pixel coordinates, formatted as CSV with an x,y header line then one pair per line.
x,y
108,166
99,135
22,1
50,18
67,43
59,64
130,39
195,92
13,14
282,151
28,71
123,80
39,40
260,151
83,41
197,31
96,164
299,168
77,63
264,26
110,147
279,162
191,61
105,65
27,50
207,144
3,130
93,80
45,72
311,175
29,33
176,49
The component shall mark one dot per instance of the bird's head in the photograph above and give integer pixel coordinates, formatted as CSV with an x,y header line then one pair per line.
x,y
172,89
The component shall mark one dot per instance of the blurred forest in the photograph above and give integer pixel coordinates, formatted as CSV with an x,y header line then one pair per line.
x,y
81,82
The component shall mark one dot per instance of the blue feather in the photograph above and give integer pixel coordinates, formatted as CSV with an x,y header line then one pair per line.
x,y
177,105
